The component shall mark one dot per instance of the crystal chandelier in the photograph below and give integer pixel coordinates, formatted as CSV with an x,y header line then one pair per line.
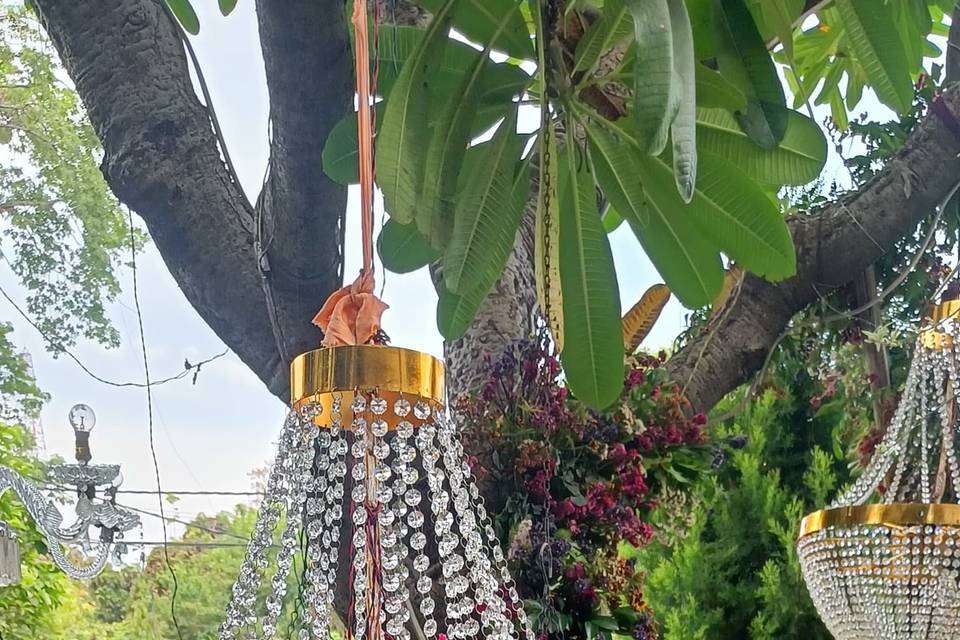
x,y
883,562
372,486
92,511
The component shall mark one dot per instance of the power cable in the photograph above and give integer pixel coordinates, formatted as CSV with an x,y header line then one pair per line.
x,y
195,368
153,449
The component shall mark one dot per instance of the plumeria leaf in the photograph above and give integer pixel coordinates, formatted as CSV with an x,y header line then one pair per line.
x,y
592,354
654,92
403,249
745,61
185,15
404,135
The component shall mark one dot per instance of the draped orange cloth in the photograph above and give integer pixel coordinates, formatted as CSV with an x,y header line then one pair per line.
x,y
351,315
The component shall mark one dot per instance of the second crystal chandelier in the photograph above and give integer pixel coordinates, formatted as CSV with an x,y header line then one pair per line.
x,y
883,563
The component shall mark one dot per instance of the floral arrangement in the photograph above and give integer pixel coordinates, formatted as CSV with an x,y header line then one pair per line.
x,y
577,490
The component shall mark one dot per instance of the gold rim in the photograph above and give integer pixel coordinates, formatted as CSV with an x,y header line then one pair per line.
x,y
893,515
934,339
365,367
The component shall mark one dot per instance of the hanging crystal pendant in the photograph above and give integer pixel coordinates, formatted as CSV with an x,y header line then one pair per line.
x,y
891,570
383,519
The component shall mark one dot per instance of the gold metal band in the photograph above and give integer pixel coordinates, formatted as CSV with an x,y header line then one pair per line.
x,y
893,515
945,311
934,339
340,372
367,367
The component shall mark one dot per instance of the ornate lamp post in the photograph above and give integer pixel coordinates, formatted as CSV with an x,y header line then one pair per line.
x,y
95,549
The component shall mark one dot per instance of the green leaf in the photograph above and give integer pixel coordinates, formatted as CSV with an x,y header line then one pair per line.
x,y
745,61
874,41
690,265
731,211
478,20
404,135
654,93
455,312
683,131
592,354
227,6
6,135
610,218
797,160
610,29
775,19
501,81
714,91
448,143
403,249
340,157
185,15
487,214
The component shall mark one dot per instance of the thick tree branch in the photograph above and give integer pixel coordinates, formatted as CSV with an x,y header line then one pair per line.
x,y
306,51
161,158
832,247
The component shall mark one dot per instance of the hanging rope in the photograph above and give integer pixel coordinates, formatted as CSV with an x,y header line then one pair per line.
x,y
351,315
364,131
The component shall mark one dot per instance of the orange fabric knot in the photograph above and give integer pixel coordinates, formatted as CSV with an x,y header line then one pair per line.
x,y
351,315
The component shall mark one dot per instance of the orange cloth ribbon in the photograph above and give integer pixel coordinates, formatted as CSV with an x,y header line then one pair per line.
x,y
351,315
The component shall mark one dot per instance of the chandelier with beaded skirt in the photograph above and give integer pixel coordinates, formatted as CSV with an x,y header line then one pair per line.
x,y
372,482
883,562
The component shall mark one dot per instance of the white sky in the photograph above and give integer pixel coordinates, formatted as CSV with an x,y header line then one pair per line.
x,y
211,435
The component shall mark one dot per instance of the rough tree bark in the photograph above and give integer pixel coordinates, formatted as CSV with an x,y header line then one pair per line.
x,y
161,159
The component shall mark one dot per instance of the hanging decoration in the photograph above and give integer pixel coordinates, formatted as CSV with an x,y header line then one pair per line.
x,y
88,552
383,530
883,562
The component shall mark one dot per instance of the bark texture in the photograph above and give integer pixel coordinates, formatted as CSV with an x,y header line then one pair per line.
x,y
161,158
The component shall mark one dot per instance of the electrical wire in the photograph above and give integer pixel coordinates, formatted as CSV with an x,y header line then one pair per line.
x,y
153,448
195,368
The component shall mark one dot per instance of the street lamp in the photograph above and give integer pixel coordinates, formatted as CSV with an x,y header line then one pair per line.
x,y
91,511
82,419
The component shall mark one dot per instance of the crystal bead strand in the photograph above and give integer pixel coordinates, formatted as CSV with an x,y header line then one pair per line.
x,y
361,443
334,515
378,498
929,405
290,539
323,546
240,609
440,507
484,582
315,615
883,460
414,520
910,405
949,430
459,606
396,593
491,542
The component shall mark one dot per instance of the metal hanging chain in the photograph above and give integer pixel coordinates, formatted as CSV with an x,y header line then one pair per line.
x,y
548,16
